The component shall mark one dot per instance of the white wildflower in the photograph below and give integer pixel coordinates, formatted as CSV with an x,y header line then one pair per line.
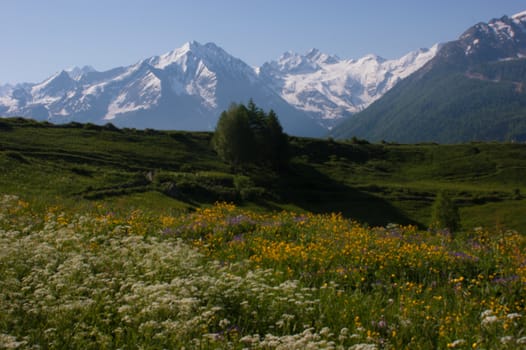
x,y
9,342
250,339
224,323
456,343
325,332
288,317
513,316
344,333
489,320
486,313
211,336
506,340
124,309
363,347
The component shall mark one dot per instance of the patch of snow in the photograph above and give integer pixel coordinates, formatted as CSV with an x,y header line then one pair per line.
x,y
129,72
94,89
204,85
46,100
35,90
151,83
175,56
503,28
10,103
118,106
62,112
136,96
519,16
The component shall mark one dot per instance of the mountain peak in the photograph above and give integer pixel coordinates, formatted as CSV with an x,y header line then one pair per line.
x,y
499,39
196,47
77,72
176,55
190,45
54,86
209,52
199,49
60,77
319,57
312,52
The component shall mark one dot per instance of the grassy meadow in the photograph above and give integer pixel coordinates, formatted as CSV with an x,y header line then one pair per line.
x,y
227,278
128,239
375,184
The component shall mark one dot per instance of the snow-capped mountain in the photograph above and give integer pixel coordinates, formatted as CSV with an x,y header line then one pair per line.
x,y
188,88
472,90
332,88
499,39
502,38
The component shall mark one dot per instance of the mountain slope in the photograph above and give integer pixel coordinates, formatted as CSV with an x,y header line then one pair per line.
x,y
473,89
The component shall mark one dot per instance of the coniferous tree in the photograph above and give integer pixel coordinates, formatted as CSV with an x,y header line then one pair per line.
x,y
246,134
277,142
233,139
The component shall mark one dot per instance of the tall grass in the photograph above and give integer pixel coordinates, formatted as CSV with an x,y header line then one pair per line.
x,y
225,278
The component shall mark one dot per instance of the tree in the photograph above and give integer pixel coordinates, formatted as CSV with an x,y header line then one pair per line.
x,y
256,117
445,214
233,138
246,134
276,142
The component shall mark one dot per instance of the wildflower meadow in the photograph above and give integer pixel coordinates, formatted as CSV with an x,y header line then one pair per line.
x,y
226,278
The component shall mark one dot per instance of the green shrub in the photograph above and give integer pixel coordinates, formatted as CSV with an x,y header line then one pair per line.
x,y
445,214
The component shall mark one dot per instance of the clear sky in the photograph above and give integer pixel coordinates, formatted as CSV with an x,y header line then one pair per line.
x,y
41,37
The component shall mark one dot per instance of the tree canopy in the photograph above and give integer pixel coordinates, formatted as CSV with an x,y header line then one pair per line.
x,y
247,134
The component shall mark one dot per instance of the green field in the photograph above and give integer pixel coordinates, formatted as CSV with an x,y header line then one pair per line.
x,y
376,184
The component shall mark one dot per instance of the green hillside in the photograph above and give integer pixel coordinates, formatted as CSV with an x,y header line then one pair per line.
x,y
78,166
448,104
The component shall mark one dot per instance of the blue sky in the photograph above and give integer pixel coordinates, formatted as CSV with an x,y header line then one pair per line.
x,y
40,37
